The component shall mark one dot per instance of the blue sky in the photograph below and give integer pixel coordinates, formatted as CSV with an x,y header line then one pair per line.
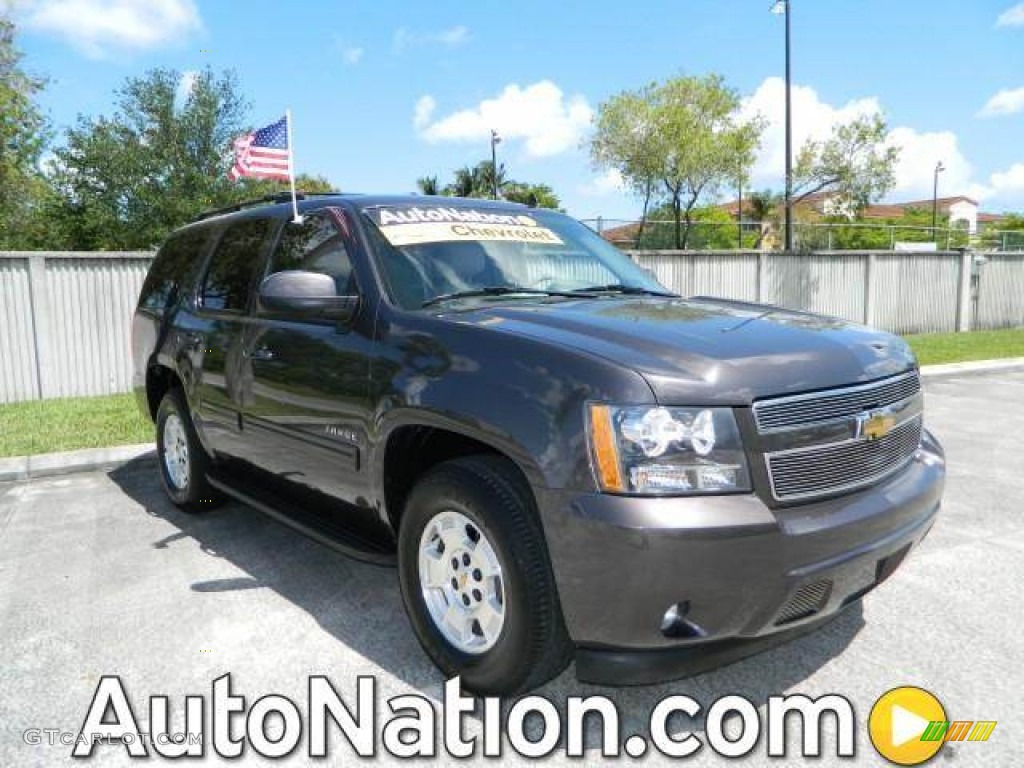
x,y
384,92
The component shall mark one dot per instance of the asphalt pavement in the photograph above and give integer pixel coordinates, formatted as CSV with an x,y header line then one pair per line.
x,y
100,575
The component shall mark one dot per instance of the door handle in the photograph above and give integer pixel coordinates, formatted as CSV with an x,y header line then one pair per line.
x,y
260,353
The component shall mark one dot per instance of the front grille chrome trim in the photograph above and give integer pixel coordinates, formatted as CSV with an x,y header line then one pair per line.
x,y
914,415
807,415
805,461
913,426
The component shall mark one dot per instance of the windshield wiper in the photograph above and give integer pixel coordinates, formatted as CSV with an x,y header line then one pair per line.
x,y
631,290
494,290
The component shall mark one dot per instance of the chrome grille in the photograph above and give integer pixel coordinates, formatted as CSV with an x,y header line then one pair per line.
x,y
844,466
803,410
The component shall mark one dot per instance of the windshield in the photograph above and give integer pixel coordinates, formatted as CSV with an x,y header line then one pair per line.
x,y
431,254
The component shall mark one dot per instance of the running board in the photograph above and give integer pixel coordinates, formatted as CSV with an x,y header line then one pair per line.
x,y
328,530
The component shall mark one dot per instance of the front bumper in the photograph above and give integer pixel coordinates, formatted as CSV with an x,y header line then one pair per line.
x,y
743,575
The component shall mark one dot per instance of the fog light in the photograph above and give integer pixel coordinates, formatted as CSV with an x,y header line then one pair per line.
x,y
675,624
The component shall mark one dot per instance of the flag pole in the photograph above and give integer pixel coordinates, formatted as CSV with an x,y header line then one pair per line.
x,y
291,166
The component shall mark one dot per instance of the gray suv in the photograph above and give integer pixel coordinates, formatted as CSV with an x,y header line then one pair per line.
x,y
562,458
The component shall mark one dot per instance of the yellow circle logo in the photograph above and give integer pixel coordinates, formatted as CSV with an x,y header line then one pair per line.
x,y
899,720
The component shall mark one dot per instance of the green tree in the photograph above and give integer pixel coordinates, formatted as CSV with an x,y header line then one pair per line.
x,y
690,135
464,184
252,189
128,179
478,181
711,228
914,226
533,195
854,164
1005,234
23,136
1011,222
428,185
763,208
624,142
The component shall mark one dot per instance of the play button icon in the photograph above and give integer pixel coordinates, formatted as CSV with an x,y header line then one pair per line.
x,y
906,725
898,720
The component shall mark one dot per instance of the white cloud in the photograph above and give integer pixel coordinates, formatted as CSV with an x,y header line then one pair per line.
x,y
96,26
406,38
423,111
1012,17
1004,190
1008,182
813,118
353,55
539,114
455,36
1008,101
608,183
915,169
186,85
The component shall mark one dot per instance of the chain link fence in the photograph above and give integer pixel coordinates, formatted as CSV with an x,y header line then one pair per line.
x,y
660,234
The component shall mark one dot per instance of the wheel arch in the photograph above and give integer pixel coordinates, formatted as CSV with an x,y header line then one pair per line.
x,y
160,379
412,447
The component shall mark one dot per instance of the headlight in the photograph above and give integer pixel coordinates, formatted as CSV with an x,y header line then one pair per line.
x,y
662,451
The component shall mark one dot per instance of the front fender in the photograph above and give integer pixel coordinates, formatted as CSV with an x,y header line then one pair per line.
x,y
522,396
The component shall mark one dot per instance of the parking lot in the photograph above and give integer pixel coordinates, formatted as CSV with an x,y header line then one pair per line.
x,y
100,575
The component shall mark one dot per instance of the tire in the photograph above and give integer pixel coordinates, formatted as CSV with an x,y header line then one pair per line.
x,y
486,496
183,463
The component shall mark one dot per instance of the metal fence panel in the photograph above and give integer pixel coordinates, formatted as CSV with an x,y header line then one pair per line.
x,y
67,323
726,274
916,292
91,306
999,291
18,367
832,284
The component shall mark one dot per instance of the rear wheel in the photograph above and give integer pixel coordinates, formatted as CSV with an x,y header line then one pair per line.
x,y
476,579
182,459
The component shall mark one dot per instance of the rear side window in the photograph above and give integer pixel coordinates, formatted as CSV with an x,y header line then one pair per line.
x,y
173,267
315,245
233,265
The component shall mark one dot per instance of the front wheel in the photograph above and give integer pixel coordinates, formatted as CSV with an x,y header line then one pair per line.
x,y
183,461
476,579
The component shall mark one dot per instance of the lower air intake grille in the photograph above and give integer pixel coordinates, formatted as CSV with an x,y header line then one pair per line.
x,y
807,601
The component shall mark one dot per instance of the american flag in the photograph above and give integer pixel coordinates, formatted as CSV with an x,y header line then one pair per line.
x,y
263,154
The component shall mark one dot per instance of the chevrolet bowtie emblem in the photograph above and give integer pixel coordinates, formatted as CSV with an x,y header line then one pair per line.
x,y
875,426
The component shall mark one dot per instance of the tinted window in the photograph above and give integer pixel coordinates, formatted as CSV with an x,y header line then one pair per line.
x,y
233,265
315,245
172,268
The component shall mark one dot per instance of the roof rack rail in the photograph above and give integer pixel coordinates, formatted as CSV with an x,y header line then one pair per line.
x,y
276,197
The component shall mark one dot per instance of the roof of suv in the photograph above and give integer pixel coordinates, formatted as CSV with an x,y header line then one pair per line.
x,y
277,204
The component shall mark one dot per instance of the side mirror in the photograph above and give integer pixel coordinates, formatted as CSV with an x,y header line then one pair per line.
x,y
306,294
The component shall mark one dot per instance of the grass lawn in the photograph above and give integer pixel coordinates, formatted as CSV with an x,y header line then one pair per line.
x,y
932,348
45,426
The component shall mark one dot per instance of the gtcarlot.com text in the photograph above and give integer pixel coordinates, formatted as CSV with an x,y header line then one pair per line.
x,y
359,722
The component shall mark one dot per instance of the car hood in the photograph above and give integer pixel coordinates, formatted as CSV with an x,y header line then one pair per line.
x,y
707,351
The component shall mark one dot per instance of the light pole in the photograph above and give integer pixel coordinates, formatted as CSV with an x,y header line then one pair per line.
x,y
495,141
782,7
939,168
